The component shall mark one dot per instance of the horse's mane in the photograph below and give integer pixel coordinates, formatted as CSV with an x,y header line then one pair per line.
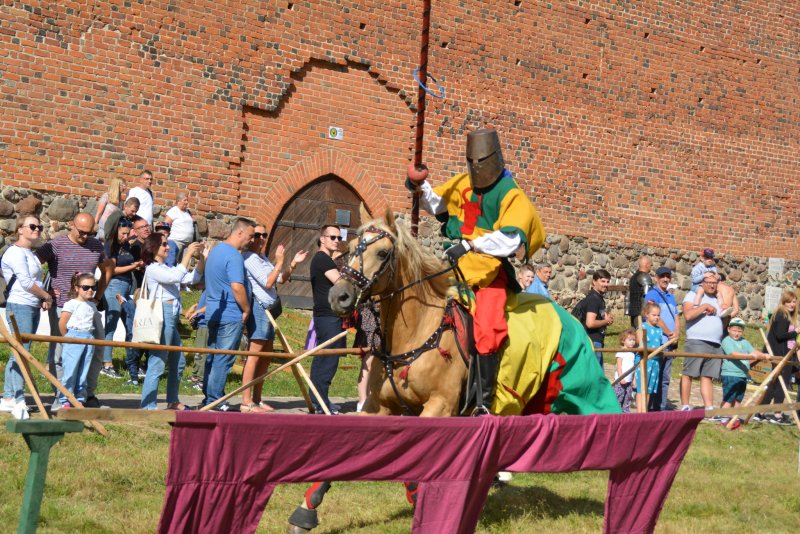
x,y
414,262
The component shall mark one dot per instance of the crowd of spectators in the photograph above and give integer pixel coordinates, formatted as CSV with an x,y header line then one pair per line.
x,y
120,248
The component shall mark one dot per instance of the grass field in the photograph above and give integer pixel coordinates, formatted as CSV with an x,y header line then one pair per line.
x,y
743,481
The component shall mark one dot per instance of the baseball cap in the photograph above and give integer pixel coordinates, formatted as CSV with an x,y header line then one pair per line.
x,y
661,271
162,226
708,253
737,321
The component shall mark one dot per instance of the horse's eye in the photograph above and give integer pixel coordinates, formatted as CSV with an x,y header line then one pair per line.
x,y
382,254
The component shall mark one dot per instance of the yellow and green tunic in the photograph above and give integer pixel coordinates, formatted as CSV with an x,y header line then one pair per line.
x,y
504,207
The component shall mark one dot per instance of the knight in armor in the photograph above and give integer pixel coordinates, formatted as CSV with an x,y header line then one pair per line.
x,y
489,217
640,283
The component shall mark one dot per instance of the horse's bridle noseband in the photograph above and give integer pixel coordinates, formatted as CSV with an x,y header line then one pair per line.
x,y
363,284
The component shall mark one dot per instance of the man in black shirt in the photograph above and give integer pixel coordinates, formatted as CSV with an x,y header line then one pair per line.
x,y
595,307
327,324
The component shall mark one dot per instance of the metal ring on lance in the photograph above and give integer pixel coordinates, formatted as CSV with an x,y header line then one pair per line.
x,y
427,75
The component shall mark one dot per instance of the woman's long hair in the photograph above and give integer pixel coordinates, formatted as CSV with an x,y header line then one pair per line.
x,y
150,248
786,296
115,191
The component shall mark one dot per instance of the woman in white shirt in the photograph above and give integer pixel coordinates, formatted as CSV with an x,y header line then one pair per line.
x,y
181,223
263,277
164,283
25,299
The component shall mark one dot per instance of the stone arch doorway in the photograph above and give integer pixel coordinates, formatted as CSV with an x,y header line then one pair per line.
x,y
327,200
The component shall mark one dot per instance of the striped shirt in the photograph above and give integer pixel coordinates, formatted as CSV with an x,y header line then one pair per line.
x,y
65,258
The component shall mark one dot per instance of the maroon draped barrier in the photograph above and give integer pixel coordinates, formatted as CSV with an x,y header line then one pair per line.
x,y
223,467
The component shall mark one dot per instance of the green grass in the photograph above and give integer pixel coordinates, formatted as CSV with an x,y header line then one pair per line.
x,y
741,481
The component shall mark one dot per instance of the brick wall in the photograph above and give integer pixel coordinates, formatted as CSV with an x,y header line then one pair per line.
x,y
664,123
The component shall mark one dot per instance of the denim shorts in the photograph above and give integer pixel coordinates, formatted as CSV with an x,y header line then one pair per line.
x,y
733,388
258,325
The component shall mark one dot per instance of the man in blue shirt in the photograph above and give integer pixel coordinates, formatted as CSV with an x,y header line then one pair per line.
x,y
670,324
540,280
227,306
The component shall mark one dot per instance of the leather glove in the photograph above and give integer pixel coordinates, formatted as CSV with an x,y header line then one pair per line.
x,y
410,185
455,252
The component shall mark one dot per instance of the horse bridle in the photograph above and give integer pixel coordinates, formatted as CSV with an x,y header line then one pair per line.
x,y
363,284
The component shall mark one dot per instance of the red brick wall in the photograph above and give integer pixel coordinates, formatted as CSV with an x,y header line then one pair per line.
x,y
659,123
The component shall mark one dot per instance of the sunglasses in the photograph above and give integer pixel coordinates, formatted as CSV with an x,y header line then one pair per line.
x,y
84,234
259,235
87,287
334,237
164,245
36,227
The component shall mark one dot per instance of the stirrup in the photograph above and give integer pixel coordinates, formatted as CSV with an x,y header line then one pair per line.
x,y
477,411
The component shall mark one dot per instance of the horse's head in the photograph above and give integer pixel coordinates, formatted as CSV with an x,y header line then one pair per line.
x,y
370,266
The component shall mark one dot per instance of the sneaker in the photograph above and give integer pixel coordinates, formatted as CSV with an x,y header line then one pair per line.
x,y
110,372
92,402
504,476
142,373
686,408
198,386
64,406
134,383
222,408
758,418
780,420
7,405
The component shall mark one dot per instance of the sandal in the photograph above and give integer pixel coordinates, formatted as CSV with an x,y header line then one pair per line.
x,y
179,406
251,408
266,407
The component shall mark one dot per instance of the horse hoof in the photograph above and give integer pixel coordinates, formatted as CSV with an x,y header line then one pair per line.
x,y
294,529
303,520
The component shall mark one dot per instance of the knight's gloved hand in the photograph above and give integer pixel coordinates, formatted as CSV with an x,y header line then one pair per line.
x,y
455,252
410,185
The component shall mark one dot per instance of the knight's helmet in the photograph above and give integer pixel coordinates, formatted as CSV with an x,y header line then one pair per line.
x,y
484,157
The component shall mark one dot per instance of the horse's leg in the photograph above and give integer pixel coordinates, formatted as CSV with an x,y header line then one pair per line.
x,y
304,517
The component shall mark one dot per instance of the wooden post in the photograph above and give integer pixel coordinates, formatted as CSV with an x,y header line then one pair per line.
x,y
789,398
298,371
41,368
25,370
276,370
762,389
40,437
641,407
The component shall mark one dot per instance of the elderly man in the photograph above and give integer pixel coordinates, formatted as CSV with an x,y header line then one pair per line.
x,y
227,306
639,284
703,335
75,252
670,324
539,284
179,218
145,196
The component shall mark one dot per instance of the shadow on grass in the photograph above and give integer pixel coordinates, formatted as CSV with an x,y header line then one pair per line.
x,y
405,514
506,503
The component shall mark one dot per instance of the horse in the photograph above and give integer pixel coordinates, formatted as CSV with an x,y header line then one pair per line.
x,y
424,368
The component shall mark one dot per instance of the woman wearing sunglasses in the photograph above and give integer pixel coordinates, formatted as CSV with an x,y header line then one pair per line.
x,y
25,298
263,277
164,282
118,250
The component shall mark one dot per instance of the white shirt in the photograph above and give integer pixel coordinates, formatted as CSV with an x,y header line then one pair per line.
x,y
258,269
182,225
627,363
145,203
23,263
164,282
82,317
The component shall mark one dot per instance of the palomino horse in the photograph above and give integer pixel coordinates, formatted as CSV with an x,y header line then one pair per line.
x,y
422,369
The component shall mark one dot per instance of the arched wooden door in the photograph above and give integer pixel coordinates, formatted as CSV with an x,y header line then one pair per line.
x,y
328,200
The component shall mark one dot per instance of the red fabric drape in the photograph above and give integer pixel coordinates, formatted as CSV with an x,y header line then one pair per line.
x,y
224,467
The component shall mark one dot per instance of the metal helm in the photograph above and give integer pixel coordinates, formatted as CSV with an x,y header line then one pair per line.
x,y
484,157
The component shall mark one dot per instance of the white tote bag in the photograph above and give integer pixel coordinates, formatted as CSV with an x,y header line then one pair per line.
x,y
149,317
